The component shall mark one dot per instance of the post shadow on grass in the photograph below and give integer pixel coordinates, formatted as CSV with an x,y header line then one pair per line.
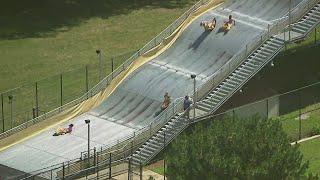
x,y
44,18
199,40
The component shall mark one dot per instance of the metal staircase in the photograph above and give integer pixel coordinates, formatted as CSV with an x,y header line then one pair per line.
x,y
220,94
241,75
159,140
309,21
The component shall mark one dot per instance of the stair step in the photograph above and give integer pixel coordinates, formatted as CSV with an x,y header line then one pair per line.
x,y
213,100
153,145
209,102
219,93
227,87
257,59
216,96
248,67
313,18
139,157
146,153
265,53
309,22
244,74
272,48
252,64
230,83
203,108
224,91
155,142
245,70
274,44
233,80
238,76
267,50
277,40
295,29
149,148
206,105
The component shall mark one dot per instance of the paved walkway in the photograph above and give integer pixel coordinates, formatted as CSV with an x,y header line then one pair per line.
x,y
305,139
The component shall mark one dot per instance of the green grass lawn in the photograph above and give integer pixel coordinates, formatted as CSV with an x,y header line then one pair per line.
x,y
310,150
41,40
310,122
310,39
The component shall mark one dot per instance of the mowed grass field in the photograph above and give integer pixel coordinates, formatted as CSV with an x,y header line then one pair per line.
x,y
310,151
43,38
51,42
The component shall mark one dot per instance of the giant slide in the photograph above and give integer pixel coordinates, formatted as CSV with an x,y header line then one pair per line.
x,y
133,104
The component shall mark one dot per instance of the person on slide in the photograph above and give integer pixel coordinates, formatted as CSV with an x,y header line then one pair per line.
x,y
63,131
228,24
209,25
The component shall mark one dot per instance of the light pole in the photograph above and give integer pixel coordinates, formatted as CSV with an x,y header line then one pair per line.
x,y
87,121
99,53
193,76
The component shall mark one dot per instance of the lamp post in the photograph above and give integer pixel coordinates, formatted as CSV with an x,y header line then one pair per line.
x,y
193,76
99,53
87,121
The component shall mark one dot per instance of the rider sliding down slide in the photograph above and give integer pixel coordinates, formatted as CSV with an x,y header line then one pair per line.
x,y
209,25
228,24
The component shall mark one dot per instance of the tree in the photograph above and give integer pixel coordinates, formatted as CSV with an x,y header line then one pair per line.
x,y
253,148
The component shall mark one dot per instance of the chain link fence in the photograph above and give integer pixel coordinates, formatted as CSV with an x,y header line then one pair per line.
x,y
297,110
32,100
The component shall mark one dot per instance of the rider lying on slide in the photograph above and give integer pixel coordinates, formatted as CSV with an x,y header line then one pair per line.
x,y
230,22
62,131
209,24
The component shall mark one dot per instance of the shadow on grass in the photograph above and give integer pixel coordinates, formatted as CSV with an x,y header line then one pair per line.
x,y
293,69
41,18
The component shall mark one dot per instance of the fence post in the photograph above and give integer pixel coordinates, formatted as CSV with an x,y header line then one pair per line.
x,y
63,170
290,20
129,169
87,80
300,106
110,166
94,157
164,154
140,171
2,113
267,108
173,107
11,109
37,100
233,114
98,168
61,90
315,35
150,129
112,65
246,50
